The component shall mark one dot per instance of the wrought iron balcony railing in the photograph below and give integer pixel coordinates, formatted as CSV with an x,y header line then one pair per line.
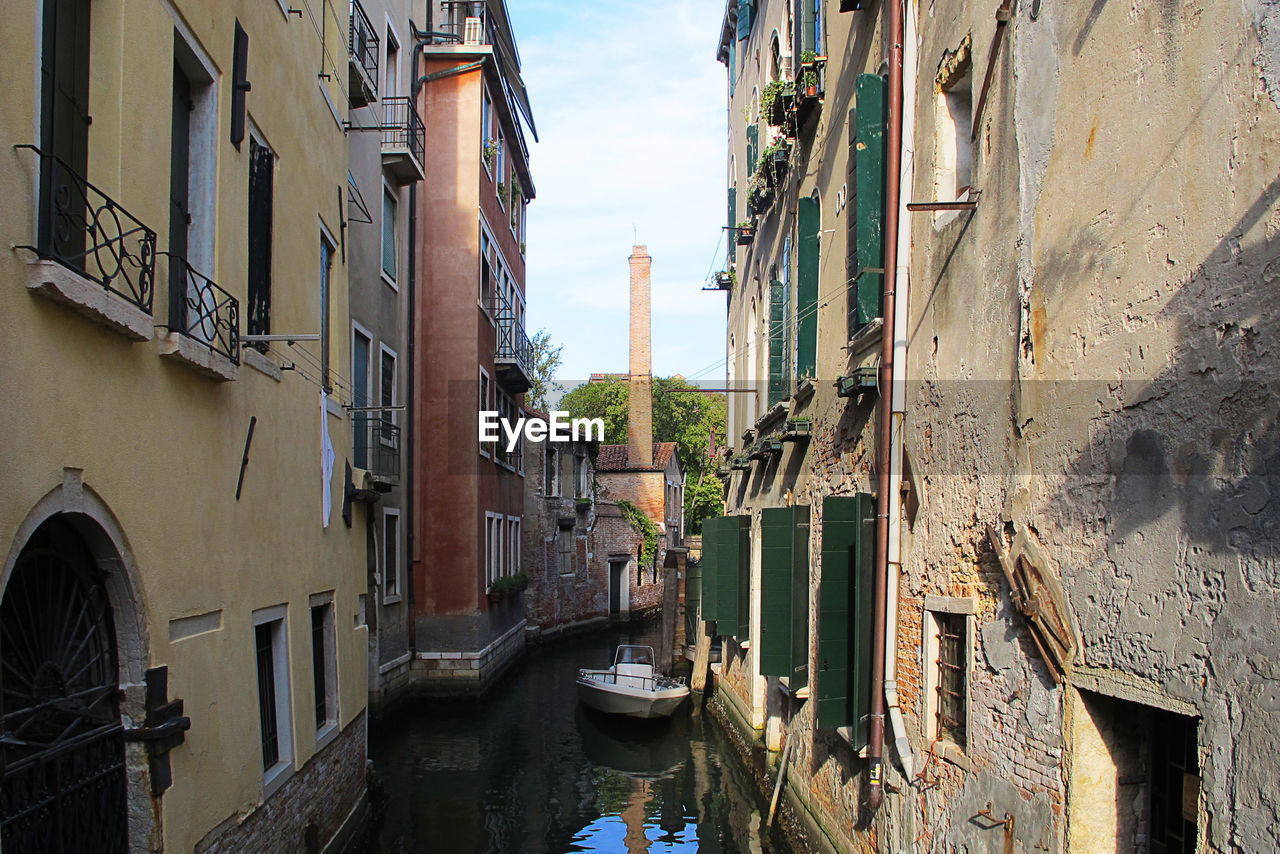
x,y
201,310
403,138
363,50
377,446
513,355
87,231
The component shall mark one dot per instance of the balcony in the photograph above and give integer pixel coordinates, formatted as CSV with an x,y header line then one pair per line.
x,y
513,356
465,23
95,256
403,140
362,53
377,447
204,322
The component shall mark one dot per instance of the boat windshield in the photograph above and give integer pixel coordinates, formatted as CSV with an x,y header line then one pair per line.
x,y
634,655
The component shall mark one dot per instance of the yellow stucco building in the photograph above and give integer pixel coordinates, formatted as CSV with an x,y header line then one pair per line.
x,y
172,527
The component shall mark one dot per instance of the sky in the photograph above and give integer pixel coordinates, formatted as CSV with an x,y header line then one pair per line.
x,y
630,108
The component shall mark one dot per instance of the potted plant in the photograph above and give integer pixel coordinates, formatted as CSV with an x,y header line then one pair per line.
x,y
746,232
507,586
809,74
489,152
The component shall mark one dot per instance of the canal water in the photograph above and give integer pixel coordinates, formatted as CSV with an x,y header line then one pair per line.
x,y
530,770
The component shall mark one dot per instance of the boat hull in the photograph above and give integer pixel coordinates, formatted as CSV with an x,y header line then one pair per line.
x,y
632,702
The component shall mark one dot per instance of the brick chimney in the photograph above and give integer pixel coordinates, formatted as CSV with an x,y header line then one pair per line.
x,y
640,386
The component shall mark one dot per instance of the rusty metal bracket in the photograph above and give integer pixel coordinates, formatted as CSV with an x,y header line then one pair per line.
x,y
1006,822
163,729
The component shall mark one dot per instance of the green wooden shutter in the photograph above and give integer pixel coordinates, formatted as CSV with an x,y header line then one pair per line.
x,y
753,147
809,223
727,559
778,385
733,66
746,12
784,593
800,597
776,524
851,269
740,536
733,222
710,568
845,614
869,181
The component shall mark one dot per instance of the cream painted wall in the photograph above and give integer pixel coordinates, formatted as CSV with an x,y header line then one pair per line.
x,y
162,445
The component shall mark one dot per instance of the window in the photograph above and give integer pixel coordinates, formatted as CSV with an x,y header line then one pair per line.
x,y
726,551
389,235
262,163
485,406
865,258
274,716
500,161
361,366
390,554
551,483
323,663
391,79
64,95
326,270
486,273
513,545
809,228
947,644
579,476
492,548
486,133
564,551
387,396
953,157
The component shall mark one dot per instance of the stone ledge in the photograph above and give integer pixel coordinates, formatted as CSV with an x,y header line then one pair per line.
x,y
260,362
53,281
192,354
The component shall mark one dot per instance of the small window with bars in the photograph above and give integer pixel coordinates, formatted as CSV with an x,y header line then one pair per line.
x,y
951,673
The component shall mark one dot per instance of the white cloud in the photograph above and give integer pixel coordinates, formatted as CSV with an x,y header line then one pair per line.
x,y
630,108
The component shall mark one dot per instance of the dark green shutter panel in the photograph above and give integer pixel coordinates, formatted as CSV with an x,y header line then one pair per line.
x,y
710,568
800,597
753,147
778,385
808,225
851,227
746,11
845,614
733,221
727,553
776,526
740,535
869,181
806,26
733,66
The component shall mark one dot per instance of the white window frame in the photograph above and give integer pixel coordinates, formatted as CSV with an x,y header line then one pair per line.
x,y
202,177
390,414
486,394
278,617
513,545
389,192
326,731
500,167
552,489
391,593
486,127
493,523
392,44
930,628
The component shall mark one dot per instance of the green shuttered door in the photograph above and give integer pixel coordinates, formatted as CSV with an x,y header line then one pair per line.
x,y
779,387
784,593
809,221
869,180
845,614
711,568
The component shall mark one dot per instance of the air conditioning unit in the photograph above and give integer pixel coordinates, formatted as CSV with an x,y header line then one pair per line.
x,y
473,31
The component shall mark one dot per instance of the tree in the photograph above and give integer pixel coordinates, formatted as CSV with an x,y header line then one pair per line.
x,y
684,417
546,361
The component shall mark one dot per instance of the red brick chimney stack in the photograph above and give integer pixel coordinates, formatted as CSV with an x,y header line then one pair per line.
x,y
640,387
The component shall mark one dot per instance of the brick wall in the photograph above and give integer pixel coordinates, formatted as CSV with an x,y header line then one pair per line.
x,y
305,813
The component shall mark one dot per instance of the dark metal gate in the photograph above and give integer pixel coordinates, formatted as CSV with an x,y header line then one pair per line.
x,y
62,770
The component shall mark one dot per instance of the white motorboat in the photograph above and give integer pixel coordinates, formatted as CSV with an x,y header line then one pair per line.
x,y
631,686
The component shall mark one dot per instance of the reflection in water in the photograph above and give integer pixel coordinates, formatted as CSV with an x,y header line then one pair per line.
x,y
530,770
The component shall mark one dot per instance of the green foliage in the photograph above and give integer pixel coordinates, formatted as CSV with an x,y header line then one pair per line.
x,y
490,151
641,523
703,499
684,417
546,361
509,585
768,96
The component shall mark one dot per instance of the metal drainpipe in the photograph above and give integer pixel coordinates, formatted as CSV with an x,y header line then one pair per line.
x,y
898,399
875,749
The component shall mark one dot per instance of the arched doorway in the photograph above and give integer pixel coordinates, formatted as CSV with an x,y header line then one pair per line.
x,y
62,754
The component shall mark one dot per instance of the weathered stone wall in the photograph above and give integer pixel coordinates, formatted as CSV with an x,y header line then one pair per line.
x,y
468,673
319,801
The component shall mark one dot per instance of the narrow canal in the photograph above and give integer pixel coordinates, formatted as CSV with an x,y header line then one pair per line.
x,y
530,770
